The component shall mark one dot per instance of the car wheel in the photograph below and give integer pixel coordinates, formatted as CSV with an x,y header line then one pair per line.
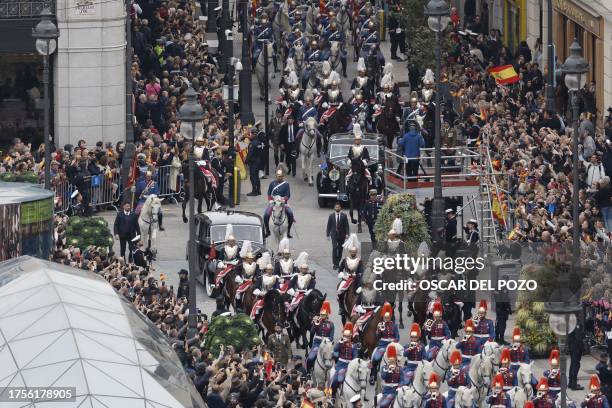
x,y
209,287
322,202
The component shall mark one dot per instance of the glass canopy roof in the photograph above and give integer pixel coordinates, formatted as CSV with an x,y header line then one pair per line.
x,y
66,327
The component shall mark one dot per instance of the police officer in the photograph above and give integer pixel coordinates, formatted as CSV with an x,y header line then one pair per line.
x,y
370,213
255,160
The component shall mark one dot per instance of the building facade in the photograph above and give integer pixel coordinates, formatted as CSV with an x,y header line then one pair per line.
x,y
87,72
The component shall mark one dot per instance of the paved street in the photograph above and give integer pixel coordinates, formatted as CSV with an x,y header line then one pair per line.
x,y
309,234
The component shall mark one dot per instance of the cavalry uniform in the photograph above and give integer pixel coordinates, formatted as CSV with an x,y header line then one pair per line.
x,y
358,152
321,328
261,33
414,354
434,399
543,398
344,352
387,332
500,400
284,267
553,377
456,377
508,376
144,188
485,329
230,253
333,97
519,353
264,283
279,187
391,377
470,345
595,399
299,286
307,111
248,272
437,332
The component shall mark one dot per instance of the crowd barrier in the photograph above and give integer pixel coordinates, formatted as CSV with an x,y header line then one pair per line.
x,y
170,182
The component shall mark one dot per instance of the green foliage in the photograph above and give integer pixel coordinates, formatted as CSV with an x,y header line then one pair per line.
x,y
237,331
533,322
27,177
82,232
403,206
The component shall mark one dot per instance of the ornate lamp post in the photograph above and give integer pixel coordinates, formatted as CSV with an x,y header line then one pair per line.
x,y
191,115
438,17
46,34
562,309
575,68
246,89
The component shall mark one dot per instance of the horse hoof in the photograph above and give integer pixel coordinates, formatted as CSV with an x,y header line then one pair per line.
x,y
310,184
185,220
401,325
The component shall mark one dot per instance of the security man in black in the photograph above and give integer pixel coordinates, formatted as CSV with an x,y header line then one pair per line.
x,y
370,213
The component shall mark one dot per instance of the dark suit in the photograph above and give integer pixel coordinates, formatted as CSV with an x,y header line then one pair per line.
x,y
338,232
290,144
576,348
126,227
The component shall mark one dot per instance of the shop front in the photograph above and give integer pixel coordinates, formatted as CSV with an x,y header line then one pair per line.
x,y
570,21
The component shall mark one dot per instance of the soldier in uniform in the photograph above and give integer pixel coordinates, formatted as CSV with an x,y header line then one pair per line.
x,y
307,110
333,96
247,273
284,267
595,398
230,250
469,345
344,352
362,82
256,161
391,377
414,353
456,377
357,150
519,352
333,34
279,345
499,398
350,266
321,327
267,281
485,329
471,239
370,213
300,285
275,125
439,331
553,375
261,33
450,231
505,371
543,398
387,332
279,187
434,399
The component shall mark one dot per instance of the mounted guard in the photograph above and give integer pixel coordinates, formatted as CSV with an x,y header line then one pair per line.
x,y
265,283
414,353
437,331
246,274
499,398
386,332
321,327
279,188
553,375
434,399
456,377
350,270
469,345
344,352
301,284
358,151
231,250
485,328
391,377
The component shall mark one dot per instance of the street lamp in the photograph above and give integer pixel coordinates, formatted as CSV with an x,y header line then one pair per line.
x,y
233,64
246,88
438,17
575,68
562,308
550,88
46,35
191,115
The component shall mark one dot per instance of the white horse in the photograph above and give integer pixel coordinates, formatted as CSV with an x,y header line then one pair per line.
x,y
322,372
493,350
411,396
481,371
343,18
308,149
298,57
441,363
355,382
278,218
280,24
523,392
384,362
465,397
148,221
260,69
334,55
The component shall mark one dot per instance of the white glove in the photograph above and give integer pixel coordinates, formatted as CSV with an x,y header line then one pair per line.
x,y
358,291
238,280
291,292
325,105
284,104
341,275
359,308
256,292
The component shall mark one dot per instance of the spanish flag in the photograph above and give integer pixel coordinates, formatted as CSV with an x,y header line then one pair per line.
x,y
240,158
504,74
498,211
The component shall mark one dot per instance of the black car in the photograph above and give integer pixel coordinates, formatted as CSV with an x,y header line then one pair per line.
x,y
210,228
331,179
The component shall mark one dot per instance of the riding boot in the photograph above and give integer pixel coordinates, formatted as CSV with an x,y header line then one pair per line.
x,y
160,219
289,225
239,304
266,228
373,373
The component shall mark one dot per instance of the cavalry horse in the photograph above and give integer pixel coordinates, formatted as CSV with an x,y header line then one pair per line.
x,y
280,24
229,287
204,187
481,371
301,320
357,189
273,311
260,69
298,57
343,18
278,219
355,382
348,300
411,396
323,364
386,122
465,397
335,50
523,391
337,122
148,222
308,135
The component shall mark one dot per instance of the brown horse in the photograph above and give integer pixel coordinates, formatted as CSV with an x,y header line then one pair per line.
x,y
418,306
348,301
368,338
229,288
248,300
387,124
273,312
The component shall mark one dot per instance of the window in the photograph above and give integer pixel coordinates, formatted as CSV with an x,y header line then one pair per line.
x,y
341,150
241,232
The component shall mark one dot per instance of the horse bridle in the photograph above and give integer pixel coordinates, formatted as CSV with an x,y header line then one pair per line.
x,y
443,359
279,221
358,378
314,140
321,363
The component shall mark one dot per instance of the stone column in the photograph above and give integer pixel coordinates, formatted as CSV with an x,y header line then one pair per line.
x,y
89,76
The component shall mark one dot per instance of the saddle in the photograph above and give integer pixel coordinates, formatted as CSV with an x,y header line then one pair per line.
x,y
256,308
208,173
345,284
244,286
221,276
362,321
295,301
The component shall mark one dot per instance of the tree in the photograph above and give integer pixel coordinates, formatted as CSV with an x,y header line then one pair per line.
x,y
403,206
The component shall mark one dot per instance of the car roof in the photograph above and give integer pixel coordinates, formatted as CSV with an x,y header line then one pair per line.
x,y
369,139
230,217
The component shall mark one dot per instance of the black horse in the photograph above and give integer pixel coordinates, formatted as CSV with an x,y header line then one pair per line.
x,y
308,308
387,124
357,189
337,123
273,311
204,189
452,312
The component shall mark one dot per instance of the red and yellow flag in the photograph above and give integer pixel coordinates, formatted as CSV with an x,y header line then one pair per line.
x,y
499,212
504,74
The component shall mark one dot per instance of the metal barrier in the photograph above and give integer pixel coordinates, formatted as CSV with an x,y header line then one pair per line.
x,y
170,182
105,189
63,190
